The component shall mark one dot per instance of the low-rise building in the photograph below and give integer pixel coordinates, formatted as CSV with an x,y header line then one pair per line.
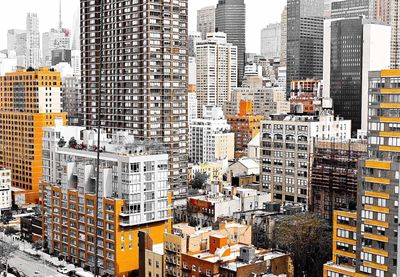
x,y
254,148
5,190
236,260
210,137
151,257
243,167
245,125
287,149
186,239
204,210
31,228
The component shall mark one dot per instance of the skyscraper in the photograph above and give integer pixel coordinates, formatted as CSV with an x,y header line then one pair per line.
x,y
353,47
305,25
352,8
230,18
32,41
284,37
206,21
29,101
216,69
388,11
271,41
16,41
367,241
144,75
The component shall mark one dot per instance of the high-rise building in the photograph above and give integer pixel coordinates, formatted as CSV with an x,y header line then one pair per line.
x,y
373,251
55,39
193,40
388,11
305,26
29,101
16,41
210,137
351,8
216,71
76,62
287,144
230,18
206,21
132,197
271,41
72,99
32,41
144,77
60,56
367,45
284,22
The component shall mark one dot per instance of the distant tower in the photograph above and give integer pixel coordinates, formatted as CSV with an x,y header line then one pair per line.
x,y
230,18
32,41
305,39
59,17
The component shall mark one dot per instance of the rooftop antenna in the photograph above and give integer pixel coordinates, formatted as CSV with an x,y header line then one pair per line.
x,y
59,17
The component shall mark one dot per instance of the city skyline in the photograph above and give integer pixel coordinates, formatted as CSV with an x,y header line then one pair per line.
x,y
47,12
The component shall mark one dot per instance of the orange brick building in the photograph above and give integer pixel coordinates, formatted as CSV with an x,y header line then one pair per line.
x,y
236,260
29,101
305,96
245,125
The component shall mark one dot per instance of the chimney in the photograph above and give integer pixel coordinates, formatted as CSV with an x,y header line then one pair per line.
x,y
217,242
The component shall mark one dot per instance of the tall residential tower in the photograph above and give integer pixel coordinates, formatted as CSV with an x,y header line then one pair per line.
x,y
144,74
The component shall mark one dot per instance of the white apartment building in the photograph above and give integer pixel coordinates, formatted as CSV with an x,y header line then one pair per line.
x,y
286,152
210,137
216,70
266,101
5,189
133,192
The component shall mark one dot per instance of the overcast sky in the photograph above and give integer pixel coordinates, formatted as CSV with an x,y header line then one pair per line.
x,y
13,14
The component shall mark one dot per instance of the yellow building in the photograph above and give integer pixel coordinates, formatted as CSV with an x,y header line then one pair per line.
x,y
245,125
378,186
29,101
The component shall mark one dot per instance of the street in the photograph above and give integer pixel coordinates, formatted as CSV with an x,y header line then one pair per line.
x,y
28,265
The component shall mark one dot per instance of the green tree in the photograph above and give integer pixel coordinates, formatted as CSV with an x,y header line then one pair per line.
x,y
199,181
308,239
